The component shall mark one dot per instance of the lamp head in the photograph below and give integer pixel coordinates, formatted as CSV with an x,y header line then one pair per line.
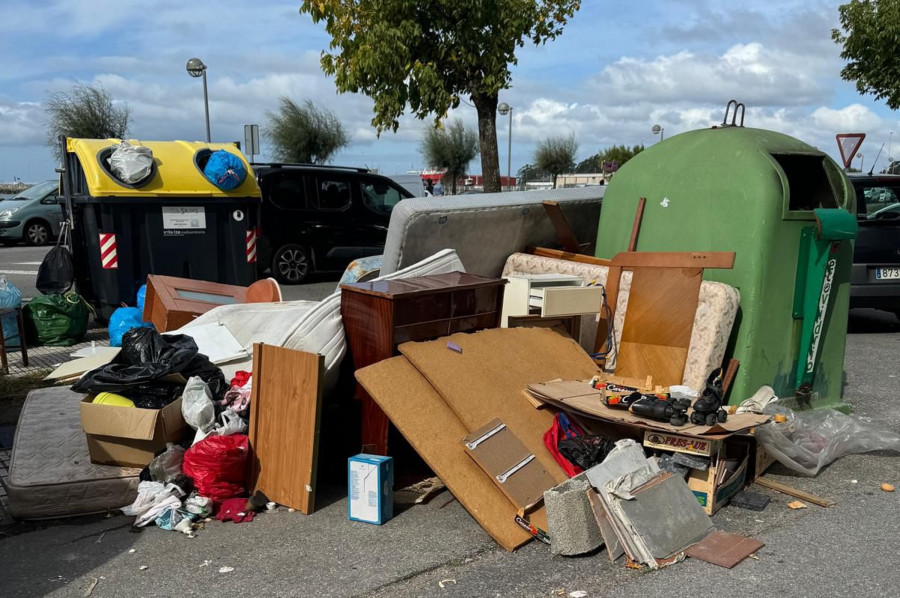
x,y
195,67
504,109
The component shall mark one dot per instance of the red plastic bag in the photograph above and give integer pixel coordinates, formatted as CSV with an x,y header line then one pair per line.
x,y
562,428
218,466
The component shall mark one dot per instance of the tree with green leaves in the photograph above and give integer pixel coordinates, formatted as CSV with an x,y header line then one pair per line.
x,y
86,112
428,54
530,172
450,148
869,34
616,153
304,133
556,155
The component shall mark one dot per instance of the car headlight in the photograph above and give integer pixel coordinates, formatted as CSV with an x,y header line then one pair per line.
x,y
8,213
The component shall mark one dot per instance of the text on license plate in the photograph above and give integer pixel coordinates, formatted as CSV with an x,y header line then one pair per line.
x,y
887,273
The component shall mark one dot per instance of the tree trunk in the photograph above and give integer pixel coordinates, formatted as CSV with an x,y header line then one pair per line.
x,y
554,181
486,105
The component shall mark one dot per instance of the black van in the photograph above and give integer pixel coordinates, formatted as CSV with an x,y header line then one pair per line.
x,y
875,278
320,218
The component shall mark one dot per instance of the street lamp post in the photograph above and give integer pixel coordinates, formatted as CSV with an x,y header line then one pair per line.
x,y
196,68
505,109
861,161
658,130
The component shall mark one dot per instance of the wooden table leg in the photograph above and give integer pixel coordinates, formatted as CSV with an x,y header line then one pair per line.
x,y
4,366
21,324
374,426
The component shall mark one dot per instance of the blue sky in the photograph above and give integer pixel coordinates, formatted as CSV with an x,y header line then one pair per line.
x,y
618,69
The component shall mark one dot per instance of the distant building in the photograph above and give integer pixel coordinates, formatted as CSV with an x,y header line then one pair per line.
x,y
581,179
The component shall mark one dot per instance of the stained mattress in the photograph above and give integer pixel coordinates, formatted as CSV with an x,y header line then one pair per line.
x,y
50,472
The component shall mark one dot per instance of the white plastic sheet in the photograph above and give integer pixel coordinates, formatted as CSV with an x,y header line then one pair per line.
x,y
810,440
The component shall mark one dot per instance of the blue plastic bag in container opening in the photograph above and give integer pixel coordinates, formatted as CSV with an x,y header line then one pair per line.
x,y
141,297
10,296
225,170
122,320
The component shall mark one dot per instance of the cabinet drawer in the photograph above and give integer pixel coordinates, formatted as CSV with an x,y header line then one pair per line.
x,y
474,301
423,308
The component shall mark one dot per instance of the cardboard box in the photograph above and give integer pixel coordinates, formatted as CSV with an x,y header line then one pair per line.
x,y
713,491
681,444
129,437
370,484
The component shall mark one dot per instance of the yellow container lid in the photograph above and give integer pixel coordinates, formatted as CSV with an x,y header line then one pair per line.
x,y
176,170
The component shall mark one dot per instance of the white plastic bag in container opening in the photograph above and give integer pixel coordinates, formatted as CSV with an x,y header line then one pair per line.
x,y
131,163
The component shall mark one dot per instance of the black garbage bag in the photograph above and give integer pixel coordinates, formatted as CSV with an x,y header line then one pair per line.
x,y
145,358
56,272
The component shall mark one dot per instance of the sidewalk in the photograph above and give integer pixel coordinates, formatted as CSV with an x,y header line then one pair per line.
x,y
42,358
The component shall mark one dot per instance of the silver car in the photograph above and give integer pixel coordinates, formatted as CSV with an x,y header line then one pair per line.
x,y
33,216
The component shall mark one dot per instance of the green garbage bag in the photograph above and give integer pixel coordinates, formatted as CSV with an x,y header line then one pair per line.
x,y
58,320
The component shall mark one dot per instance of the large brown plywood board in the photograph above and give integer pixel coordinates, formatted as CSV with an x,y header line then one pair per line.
x,y
285,412
658,324
434,430
486,380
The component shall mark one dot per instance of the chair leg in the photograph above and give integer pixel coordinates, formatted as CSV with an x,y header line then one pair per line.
x,y
22,344
4,366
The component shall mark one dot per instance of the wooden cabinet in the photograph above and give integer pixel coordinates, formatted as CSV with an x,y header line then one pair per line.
x,y
380,315
172,302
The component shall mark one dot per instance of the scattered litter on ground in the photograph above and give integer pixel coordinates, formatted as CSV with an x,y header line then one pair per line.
x,y
132,551
796,505
144,567
90,589
226,569
205,563
887,487
578,594
100,539
444,582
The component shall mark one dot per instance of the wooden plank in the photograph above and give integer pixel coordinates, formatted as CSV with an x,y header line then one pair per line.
x,y
508,464
656,335
285,412
486,380
569,256
561,225
791,491
434,430
665,259
76,367
632,243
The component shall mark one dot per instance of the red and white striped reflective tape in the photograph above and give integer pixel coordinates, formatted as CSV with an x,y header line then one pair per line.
x,y
251,246
108,258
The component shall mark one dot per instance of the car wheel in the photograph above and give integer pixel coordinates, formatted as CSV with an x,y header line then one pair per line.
x,y
290,264
37,233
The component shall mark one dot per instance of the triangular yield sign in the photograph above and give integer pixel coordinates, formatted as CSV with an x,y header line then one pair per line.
x,y
849,144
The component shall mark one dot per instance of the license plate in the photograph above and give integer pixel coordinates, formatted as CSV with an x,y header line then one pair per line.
x,y
887,273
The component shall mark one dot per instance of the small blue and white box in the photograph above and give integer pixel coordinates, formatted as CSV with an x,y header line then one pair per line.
x,y
370,486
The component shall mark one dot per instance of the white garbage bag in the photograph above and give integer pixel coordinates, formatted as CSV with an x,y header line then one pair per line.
x,y
131,163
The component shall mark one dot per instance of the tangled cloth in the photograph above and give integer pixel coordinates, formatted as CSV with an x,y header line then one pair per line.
x,y
235,509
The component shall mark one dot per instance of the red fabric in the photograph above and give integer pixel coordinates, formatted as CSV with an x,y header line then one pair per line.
x,y
240,378
552,437
218,464
234,509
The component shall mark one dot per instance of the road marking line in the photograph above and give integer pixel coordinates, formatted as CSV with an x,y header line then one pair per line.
x,y
18,272
27,263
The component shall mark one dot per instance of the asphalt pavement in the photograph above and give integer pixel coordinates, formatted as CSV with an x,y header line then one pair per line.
x,y
849,549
